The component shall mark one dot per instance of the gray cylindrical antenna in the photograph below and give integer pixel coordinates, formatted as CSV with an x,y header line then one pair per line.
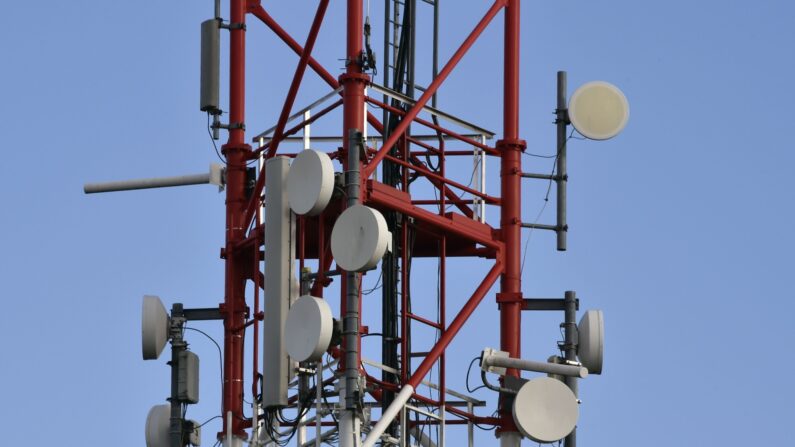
x,y
214,177
489,360
210,66
562,176
160,182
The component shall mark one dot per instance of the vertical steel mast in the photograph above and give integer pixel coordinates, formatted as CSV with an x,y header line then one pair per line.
x,y
353,82
511,147
237,152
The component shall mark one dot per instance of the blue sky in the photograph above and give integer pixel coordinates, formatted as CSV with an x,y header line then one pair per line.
x,y
679,227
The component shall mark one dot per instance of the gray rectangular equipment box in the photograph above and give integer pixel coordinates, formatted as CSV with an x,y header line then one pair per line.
x,y
188,377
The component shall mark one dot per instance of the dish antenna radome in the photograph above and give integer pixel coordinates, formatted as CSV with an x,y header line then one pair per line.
x,y
598,110
154,327
545,410
158,422
308,329
590,348
310,182
359,239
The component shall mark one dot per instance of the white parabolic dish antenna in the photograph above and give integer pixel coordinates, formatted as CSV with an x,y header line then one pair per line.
x,y
598,110
308,329
591,345
310,182
154,327
545,410
359,239
157,426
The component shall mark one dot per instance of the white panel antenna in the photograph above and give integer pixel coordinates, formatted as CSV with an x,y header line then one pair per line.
x,y
280,281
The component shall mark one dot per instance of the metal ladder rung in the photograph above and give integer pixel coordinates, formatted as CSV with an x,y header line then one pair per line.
x,y
423,412
425,321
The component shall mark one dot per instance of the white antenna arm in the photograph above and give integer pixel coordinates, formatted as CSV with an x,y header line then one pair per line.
x,y
214,177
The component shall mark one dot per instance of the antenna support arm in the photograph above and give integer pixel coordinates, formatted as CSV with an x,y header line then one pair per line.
x,y
214,177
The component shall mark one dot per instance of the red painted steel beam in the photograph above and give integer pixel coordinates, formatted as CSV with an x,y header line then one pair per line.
x,y
298,76
255,196
288,102
446,192
234,306
260,13
433,87
455,326
511,147
293,130
486,148
380,194
430,175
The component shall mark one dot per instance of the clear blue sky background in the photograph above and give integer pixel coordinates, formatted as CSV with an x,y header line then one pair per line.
x,y
680,227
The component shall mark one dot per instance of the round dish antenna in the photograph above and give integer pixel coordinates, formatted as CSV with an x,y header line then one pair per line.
x,y
545,410
310,182
590,349
157,426
359,239
598,110
154,327
308,329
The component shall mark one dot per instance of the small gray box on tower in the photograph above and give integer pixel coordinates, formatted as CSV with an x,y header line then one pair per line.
x,y
188,377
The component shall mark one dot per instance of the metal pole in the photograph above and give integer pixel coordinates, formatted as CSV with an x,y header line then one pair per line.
x,y
177,346
318,402
510,296
352,285
562,176
234,306
353,81
570,349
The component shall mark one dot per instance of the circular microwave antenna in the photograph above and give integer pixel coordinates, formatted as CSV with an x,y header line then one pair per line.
x,y
598,110
154,327
310,182
359,239
590,348
308,329
157,426
545,410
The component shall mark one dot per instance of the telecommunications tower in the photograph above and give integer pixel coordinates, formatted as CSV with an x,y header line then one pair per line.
x,y
402,179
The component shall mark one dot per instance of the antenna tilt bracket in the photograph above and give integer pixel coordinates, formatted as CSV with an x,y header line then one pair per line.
x,y
233,26
562,116
230,126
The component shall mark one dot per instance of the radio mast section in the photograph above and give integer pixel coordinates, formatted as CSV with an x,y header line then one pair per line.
x,y
354,204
